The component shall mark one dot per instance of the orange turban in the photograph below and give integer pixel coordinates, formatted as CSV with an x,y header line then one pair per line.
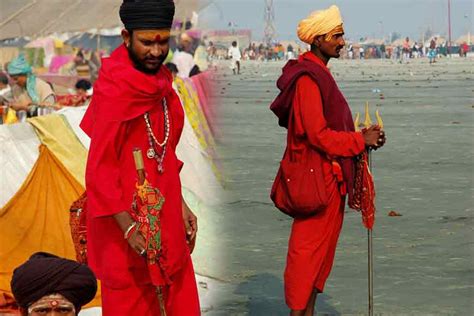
x,y
320,23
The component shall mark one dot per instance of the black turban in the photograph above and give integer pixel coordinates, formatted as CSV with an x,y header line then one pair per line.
x,y
147,14
45,274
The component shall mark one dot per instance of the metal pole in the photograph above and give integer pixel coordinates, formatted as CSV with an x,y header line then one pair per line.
x,y
371,273
98,40
468,30
370,258
449,27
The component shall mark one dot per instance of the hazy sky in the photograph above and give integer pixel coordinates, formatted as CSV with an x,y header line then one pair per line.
x,y
361,17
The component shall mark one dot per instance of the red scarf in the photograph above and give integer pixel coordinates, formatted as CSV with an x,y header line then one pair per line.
x,y
123,93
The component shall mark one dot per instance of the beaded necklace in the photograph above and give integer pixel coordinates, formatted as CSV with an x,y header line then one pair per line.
x,y
153,151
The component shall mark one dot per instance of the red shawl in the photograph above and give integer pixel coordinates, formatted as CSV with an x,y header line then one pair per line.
x,y
336,110
123,93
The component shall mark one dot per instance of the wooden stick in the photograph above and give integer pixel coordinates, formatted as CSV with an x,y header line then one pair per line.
x,y
139,165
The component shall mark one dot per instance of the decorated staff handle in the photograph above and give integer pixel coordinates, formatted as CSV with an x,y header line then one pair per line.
x,y
139,165
367,120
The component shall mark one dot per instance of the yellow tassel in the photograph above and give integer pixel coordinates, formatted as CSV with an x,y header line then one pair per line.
x,y
356,122
379,119
368,120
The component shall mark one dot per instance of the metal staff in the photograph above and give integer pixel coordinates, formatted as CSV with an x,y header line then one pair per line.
x,y
367,123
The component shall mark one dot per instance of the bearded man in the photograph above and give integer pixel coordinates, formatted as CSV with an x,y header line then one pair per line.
x,y
135,106
322,124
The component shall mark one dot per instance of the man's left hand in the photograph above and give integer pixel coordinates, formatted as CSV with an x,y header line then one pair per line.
x,y
190,225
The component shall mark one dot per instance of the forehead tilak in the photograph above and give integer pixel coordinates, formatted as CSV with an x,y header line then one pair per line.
x,y
153,35
51,301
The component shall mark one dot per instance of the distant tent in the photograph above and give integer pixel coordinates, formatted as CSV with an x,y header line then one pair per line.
x,y
399,42
469,39
372,41
14,42
89,41
30,18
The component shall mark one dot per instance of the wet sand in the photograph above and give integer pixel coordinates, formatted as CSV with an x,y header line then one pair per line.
x,y
424,258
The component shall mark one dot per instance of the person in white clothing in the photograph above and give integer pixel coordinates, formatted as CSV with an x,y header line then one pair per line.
x,y
183,58
235,56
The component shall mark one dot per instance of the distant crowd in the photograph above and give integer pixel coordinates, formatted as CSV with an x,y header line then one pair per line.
x,y
408,50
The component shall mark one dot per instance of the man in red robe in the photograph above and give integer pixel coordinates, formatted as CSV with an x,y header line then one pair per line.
x,y
322,121
135,106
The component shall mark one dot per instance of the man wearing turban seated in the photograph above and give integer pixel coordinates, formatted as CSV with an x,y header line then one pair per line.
x,y
29,92
135,106
49,285
322,124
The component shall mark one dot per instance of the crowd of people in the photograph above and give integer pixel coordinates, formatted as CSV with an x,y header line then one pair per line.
x,y
256,51
408,50
277,51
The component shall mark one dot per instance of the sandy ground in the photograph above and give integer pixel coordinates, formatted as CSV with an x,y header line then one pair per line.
x,y
423,259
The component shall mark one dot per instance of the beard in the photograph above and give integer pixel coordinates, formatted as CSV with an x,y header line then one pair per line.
x,y
140,64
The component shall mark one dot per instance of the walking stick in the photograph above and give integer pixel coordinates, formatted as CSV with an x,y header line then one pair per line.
x,y
370,259
370,252
370,256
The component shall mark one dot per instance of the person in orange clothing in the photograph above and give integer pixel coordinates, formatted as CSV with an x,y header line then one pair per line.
x,y
133,107
323,122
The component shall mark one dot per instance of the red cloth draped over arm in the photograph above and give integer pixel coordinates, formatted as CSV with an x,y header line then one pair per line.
x,y
104,190
312,123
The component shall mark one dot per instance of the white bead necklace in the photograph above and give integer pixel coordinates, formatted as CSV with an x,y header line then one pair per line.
x,y
153,151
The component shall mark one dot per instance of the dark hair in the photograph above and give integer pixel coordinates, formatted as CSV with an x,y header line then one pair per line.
x,y
3,78
83,84
234,43
172,67
194,71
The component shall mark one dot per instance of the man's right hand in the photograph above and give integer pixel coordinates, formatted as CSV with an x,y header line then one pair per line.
x,y
135,240
374,137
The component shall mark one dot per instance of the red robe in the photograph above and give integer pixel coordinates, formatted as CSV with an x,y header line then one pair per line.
x,y
115,123
313,240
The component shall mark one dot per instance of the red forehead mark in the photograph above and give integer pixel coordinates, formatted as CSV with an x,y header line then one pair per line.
x,y
54,303
158,38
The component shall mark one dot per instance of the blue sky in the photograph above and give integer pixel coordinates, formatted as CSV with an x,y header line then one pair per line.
x,y
361,17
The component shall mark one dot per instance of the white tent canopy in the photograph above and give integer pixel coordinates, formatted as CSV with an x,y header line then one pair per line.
x,y
37,18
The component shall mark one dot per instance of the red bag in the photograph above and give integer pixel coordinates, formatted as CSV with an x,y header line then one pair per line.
x,y
299,189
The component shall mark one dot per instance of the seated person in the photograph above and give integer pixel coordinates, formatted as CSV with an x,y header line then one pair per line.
x,y
84,88
82,97
29,92
48,285
82,67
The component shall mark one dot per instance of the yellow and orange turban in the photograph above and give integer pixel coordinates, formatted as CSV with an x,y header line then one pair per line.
x,y
324,22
